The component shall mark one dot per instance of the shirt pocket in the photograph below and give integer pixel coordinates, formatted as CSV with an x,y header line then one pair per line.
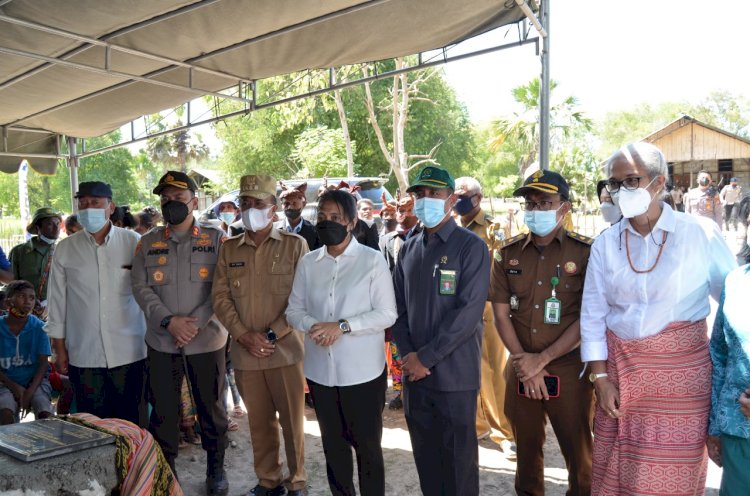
x,y
282,277
157,270
202,267
570,284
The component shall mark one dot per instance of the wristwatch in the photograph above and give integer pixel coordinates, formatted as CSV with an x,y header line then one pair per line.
x,y
344,326
594,376
165,321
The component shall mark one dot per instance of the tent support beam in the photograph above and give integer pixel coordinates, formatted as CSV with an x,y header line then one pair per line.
x,y
73,167
544,90
341,85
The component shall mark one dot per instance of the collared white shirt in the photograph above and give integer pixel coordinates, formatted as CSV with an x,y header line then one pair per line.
x,y
91,303
693,264
355,286
286,226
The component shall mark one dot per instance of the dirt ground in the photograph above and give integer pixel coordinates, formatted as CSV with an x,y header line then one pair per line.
x,y
496,472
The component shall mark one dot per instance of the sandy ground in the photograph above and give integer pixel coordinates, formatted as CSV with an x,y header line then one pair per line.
x,y
496,472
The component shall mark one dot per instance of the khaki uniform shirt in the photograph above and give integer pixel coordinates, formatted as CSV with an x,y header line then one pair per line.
x,y
251,289
173,276
28,261
525,272
493,233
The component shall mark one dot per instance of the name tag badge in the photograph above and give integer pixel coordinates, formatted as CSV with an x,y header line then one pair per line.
x,y
447,282
552,311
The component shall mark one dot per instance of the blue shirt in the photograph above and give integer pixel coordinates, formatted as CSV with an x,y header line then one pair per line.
x,y
4,262
441,282
730,353
19,355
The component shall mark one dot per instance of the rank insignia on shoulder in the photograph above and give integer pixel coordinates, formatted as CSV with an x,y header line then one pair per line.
x,y
580,237
514,239
159,244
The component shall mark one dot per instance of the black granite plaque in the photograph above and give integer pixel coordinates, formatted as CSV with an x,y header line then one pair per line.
x,y
31,441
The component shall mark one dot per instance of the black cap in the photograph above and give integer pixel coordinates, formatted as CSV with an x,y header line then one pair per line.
x,y
547,182
94,188
175,179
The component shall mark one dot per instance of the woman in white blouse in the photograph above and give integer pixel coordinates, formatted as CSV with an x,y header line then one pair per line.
x,y
643,330
343,299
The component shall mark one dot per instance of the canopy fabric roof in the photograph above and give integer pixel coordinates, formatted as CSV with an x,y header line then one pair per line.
x,y
82,74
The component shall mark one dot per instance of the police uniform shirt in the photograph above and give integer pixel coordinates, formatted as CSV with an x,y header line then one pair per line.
x,y
524,273
173,275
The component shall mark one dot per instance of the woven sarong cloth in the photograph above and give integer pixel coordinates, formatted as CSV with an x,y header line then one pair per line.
x,y
141,467
658,446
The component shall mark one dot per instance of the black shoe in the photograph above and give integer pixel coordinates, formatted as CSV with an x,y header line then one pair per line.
x,y
396,403
264,491
216,477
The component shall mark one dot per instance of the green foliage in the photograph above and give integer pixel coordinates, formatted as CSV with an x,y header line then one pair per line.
x,y
620,128
320,152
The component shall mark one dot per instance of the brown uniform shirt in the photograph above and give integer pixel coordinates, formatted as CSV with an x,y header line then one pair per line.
x,y
493,233
250,294
525,272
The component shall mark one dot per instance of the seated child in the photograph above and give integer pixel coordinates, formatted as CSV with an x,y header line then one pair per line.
x,y
24,353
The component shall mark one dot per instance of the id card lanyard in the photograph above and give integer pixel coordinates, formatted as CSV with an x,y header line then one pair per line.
x,y
552,306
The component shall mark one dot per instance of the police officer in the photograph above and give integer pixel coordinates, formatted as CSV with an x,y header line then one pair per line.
x,y
31,261
536,290
491,419
172,277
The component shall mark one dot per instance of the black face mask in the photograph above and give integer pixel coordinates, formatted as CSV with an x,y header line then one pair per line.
x,y
293,213
331,233
174,212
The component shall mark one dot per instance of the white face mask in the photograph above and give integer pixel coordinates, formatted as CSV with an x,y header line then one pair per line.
x,y
610,213
255,219
632,203
92,219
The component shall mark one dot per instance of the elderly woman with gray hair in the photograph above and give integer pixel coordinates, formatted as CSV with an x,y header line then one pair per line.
x,y
643,331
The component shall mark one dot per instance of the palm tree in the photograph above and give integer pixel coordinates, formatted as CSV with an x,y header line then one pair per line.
x,y
175,150
522,128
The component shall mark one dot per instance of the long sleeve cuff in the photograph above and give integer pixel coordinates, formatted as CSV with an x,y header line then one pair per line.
x,y
593,351
428,357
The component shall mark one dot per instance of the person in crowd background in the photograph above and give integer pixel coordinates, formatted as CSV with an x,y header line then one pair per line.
x,y
293,202
122,217
491,420
72,225
24,354
703,201
610,212
730,196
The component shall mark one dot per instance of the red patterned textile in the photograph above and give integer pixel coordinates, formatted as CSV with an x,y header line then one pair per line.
x,y
658,446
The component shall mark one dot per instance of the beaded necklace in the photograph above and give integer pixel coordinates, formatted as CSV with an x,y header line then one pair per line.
x,y
658,255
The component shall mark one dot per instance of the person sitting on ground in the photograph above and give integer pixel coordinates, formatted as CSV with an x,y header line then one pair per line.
x,y
72,225
24,351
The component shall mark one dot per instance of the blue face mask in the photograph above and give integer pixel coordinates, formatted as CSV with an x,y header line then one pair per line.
x,y
92,219
430,211
541,222
227,217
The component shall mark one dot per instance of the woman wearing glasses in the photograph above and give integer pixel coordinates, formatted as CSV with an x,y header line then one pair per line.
x,y
643,332
343,299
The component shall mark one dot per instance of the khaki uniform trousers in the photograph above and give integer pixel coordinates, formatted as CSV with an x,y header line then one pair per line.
x,y
264,393
491,399
571,417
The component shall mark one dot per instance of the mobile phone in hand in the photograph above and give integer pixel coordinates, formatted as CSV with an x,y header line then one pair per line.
x,y
551,381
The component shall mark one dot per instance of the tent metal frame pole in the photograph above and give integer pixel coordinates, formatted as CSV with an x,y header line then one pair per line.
x,y
255,106
544,90
73,167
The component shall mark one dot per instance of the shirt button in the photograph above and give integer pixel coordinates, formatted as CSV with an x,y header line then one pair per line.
x,y
542,257
533,331
536,306
539,283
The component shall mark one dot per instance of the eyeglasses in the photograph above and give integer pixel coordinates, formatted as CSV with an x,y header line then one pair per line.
x,y
629,183
540,205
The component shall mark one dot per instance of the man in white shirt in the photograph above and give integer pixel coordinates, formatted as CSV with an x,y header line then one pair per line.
x,y
730,196
96,326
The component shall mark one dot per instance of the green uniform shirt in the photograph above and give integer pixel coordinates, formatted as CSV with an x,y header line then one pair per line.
x,y
28,261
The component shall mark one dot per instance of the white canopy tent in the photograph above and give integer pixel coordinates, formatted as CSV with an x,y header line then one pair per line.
x,y
82,68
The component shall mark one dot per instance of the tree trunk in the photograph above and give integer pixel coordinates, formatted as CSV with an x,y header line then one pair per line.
x,y
345,130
